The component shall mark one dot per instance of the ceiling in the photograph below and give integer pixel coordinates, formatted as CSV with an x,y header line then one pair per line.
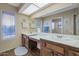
x,y
29,8
42,9
15,4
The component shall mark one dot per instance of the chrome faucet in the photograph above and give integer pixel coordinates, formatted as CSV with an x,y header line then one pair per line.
x,y
59,36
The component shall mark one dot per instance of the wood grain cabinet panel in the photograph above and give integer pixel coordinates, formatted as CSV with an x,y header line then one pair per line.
x,y
25,40
50,49
26,43
73,53
56,53
55,48
46,52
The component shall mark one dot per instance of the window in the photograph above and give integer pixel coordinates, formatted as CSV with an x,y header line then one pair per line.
x,y
8,25
59,23
53,25
56,25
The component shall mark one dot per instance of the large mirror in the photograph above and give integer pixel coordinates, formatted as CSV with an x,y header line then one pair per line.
x,y
63,23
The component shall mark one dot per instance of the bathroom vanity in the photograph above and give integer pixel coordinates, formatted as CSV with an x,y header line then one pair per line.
x,y
31,44
49,48
48,44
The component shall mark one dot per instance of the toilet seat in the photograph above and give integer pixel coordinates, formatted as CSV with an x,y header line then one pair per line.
x,y
20,51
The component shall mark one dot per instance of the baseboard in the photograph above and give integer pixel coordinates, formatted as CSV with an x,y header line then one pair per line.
x,y
1,51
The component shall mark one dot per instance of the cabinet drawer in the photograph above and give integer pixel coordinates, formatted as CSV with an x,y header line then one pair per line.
x,y
55,48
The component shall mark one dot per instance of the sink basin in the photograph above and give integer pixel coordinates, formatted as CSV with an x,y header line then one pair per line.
x,y
33,34
69,40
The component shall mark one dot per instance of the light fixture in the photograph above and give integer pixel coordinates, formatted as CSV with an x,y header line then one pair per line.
x,y
33,8
29,10
40,4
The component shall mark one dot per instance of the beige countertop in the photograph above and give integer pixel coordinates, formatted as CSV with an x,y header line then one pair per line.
x,y
71,40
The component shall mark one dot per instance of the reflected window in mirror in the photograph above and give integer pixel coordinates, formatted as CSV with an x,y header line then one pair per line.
x,y
56,25
59,25
53,25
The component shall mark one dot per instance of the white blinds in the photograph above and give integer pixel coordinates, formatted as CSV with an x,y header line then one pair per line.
x,y
8,25
8,19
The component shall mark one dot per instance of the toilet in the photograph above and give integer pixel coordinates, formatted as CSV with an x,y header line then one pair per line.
x,y
20,51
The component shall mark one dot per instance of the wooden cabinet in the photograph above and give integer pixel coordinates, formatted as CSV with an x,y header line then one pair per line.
x,y
30,44
48,48
56,53
56,49
46,52
33,46
73,53
25,40
51,49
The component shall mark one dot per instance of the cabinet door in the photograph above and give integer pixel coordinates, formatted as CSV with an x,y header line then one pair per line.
x,y
26,42
73,53
57,49
46,52
23,40
32,44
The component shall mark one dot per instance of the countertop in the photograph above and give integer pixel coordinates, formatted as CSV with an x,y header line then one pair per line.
x,y
71,40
